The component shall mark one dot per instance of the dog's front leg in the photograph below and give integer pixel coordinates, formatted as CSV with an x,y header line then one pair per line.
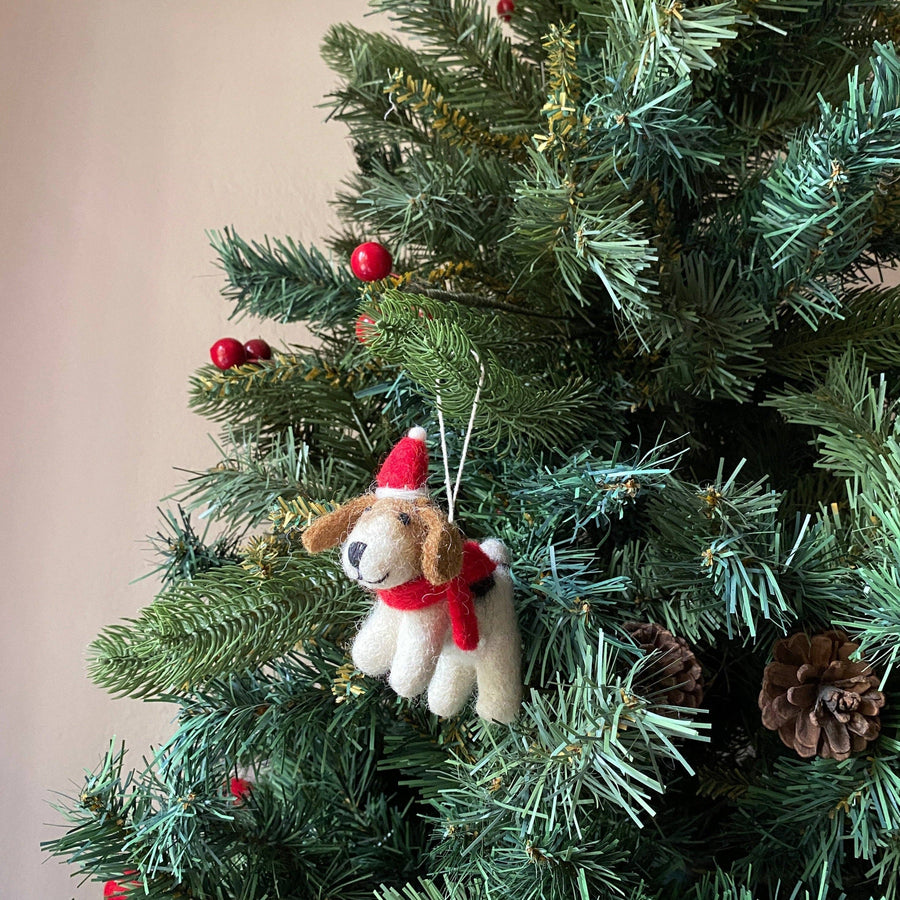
x,y
453,681
420,636
376,641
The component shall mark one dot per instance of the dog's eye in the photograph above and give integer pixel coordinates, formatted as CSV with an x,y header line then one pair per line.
x,y
404,518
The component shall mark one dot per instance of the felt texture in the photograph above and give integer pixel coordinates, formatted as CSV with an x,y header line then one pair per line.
x,y
457,593
442,549
404,645
406,466
427,630
382,551
493,668
420,637
330,530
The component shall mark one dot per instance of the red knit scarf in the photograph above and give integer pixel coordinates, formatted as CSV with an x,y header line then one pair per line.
x,y
420,593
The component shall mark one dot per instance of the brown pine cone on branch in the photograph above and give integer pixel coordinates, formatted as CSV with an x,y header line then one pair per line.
x,y
817,699
679,674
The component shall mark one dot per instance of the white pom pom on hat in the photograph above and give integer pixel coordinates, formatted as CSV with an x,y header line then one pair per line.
x,y
404,474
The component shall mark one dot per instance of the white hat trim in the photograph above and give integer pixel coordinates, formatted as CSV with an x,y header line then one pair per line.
x,y
401,493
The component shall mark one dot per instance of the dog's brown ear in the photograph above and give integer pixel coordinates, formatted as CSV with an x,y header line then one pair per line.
x,y
442,548
329,530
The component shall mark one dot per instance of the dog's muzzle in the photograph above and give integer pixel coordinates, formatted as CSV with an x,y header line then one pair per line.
x,y
355,552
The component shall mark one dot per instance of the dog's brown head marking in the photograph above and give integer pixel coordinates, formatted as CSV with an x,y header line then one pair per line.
x,y
388,536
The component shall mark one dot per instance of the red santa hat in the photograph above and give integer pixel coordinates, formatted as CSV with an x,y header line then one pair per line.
x,y
404,473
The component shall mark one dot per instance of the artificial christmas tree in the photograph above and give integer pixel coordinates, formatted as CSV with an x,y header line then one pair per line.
x,y
636,294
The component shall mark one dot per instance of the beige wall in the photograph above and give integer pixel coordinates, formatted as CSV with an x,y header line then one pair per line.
x,y
127,128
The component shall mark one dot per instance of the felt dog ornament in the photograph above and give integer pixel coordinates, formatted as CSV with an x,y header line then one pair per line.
x,y
443,618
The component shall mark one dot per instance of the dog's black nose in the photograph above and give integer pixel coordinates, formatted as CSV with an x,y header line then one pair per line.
x,y
355,552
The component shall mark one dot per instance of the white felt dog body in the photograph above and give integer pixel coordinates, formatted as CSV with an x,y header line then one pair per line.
x,y
443,618
493,666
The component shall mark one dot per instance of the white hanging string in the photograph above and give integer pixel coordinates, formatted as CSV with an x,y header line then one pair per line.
x,y
393,106
444,453
453,491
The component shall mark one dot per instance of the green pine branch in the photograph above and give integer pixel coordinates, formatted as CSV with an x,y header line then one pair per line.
x,y
719,558
451,203
185,553
364,61
581,227
871,323
564,603
814,214
296,706
319,400
856,432
874,618
443,357
654,127
843,813
284,281
244,487
709,331
181,832
98,815
485,75
683,39
563,501
770,81
222,621
579,752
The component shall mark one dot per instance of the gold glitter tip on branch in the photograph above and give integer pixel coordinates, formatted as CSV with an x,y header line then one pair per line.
x,y
450,123
565,125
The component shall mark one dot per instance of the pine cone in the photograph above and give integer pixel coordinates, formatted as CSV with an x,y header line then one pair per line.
x,y
679,672
819,701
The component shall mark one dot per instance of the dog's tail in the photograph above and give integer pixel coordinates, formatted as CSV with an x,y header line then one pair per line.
x,y
496,551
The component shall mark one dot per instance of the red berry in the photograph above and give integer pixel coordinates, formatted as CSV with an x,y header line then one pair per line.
x,y
371,262
115,890
365,325
240,788
505,9
227,352
257,349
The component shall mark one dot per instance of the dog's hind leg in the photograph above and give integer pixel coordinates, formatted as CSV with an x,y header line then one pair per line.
x,y
499,658
376,641
499,681
420,636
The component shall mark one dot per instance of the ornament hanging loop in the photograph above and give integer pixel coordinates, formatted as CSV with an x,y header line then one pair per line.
x,y
393,107
453,490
